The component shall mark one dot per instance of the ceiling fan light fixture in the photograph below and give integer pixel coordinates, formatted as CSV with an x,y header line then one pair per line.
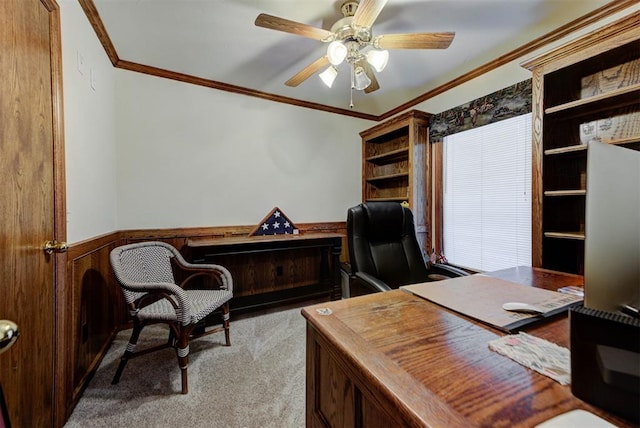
x,y
336,52
329,75
351,40
378,59
360,79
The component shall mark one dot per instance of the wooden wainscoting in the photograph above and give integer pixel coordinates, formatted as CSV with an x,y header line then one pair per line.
x,y
95,312
96,309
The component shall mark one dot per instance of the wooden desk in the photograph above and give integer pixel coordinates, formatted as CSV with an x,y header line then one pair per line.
x,y
275,267
394,359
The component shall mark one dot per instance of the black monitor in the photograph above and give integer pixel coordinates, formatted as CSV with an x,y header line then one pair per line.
x,y
612,229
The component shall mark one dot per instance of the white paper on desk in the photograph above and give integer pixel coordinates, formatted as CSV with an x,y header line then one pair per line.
x,y
576,419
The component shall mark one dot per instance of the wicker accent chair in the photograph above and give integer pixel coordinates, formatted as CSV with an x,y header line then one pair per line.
x,y
145,272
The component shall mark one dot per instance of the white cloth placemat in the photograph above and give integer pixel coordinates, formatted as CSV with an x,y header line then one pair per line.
x,y
537,354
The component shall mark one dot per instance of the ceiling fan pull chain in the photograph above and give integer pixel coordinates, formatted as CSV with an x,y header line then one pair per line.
x,y
351,88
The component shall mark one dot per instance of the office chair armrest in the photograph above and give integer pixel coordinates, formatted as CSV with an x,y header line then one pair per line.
x,y
446,270
370,281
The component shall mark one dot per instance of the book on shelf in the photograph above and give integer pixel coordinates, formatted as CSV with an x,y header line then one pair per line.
x,y
481,297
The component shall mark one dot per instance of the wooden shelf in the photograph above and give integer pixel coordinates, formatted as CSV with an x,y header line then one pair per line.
x,y
584,147
390,156
623,141
388,177
576,192
618,98
579,236
568,149
396,199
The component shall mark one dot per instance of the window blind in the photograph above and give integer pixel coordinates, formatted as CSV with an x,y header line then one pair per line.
x,y
487,195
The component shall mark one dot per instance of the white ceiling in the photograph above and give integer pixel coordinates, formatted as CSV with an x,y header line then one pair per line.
x,y
217,40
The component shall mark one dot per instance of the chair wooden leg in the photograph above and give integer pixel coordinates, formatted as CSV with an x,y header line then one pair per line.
x,y
225,323
182,351
130,349
185,382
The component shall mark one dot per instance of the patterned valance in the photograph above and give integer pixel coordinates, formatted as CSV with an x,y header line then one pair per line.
x,y
503,104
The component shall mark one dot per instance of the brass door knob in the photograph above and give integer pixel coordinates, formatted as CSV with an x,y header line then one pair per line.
x,y
55,247
8,334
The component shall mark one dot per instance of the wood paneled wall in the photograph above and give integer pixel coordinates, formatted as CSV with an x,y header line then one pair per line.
x,y
95,313
96,309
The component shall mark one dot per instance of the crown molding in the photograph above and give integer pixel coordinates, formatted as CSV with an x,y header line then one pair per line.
x,y
93,16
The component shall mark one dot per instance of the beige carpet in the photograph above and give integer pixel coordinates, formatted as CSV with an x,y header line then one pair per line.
x,y
257,382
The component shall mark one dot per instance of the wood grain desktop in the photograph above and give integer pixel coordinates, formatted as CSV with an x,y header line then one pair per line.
x,y
395,359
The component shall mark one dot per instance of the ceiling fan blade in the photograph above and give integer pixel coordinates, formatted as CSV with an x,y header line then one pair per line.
x,y
367,12
308,71
297,28
374,85
414,41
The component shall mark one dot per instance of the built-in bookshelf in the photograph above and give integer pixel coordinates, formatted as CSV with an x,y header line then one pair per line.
x,y
586,90
395,166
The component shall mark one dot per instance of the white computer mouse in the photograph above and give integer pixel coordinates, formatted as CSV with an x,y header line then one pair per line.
x,y
521,307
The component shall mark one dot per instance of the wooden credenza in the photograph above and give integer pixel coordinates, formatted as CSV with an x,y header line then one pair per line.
x,y
275,268
394,359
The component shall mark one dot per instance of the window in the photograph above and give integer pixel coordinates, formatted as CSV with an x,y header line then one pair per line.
x,y
487,195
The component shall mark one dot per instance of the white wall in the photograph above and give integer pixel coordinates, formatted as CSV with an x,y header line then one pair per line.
x,y
191,156
144,152
89,122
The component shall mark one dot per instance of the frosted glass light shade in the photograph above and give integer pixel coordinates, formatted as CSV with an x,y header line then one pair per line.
x,y
361,80
378,59
336,52
329,75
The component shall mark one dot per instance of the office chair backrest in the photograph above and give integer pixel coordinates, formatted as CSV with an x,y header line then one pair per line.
x,y
382,242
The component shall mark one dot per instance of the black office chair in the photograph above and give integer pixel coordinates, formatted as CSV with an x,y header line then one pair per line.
x,y
384,251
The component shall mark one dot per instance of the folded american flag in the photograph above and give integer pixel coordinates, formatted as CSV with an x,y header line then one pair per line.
x,y
275,223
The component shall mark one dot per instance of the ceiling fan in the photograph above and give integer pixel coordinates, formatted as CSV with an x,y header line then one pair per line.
x,y
351,39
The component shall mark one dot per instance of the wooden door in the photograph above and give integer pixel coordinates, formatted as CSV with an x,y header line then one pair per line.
x,y
29,127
